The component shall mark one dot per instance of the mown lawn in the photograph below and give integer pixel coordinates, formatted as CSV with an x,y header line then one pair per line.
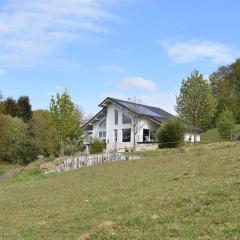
x,y
180,194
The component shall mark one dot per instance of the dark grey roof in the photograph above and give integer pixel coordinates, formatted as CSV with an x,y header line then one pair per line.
x,y
155,113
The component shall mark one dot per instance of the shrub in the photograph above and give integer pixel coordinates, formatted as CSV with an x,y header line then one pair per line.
x,y
226,124
170,134
24,151
97,146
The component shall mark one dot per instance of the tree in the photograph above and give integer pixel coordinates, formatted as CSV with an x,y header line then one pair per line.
x,y
11,129
2,107
226,124
97,146
44,133
136,119
170,134
225,83
196,103
24,108
66,119
11,107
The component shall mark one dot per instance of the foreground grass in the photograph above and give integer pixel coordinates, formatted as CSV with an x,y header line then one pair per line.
x,y
180,194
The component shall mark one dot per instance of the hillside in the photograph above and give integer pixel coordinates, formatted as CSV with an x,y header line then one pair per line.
x,y
212,135
170,194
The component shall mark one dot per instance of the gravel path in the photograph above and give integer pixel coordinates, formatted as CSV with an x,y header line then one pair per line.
x,y
8,174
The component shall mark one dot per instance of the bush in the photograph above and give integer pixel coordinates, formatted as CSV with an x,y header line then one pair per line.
x,y
226,124
97,146
170,134
24,151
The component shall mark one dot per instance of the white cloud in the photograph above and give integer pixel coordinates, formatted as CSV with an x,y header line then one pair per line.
x,y
181,52
32,30
138,83
114,68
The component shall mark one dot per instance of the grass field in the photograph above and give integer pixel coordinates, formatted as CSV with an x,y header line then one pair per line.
x,y
212,135
180,194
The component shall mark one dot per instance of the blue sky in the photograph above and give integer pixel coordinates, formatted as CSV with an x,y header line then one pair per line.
x,y
118,48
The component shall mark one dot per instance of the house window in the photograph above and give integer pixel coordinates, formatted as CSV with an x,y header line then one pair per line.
x,y
115,135
102,134
102,124
126,135
116,116
126,119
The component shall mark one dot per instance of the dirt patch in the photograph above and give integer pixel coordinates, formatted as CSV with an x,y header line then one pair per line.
x,y
8,174
42,223
108,225
86,236
154,216
46,166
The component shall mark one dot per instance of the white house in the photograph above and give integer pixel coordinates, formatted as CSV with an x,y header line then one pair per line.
x,y
116,121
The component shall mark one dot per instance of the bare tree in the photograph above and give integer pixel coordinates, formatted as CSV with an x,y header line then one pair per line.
x,y
137,117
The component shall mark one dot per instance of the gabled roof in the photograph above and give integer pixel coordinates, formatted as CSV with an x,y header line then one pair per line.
x,y
155,113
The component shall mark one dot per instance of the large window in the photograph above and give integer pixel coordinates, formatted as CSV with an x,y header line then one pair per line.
x,y
116,116
146,135
102,124
115,135
149,135
126,135
126,119
102,134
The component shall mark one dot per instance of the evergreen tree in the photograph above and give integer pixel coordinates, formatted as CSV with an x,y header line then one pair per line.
x,y
24,108
11,107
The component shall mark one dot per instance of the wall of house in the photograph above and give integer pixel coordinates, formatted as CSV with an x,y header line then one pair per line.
x,y
189,137
147,124
97,129
111,126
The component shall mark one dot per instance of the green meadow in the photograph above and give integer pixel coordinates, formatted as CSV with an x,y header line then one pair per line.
x,y
186,193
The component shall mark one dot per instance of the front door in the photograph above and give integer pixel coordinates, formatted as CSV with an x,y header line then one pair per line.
x,y
146,134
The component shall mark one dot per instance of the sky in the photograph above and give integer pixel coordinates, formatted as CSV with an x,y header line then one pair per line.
x,y
115,48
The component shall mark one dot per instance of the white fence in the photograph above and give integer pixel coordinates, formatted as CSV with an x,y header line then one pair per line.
x,y
89,160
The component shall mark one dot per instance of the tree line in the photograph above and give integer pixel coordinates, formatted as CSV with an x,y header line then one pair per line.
x,y
26,134
210,103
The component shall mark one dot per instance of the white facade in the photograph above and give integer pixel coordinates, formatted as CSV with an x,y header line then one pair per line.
x,y
110,127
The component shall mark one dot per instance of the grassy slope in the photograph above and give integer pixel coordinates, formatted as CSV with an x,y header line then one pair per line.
x,y
179,195
213,135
